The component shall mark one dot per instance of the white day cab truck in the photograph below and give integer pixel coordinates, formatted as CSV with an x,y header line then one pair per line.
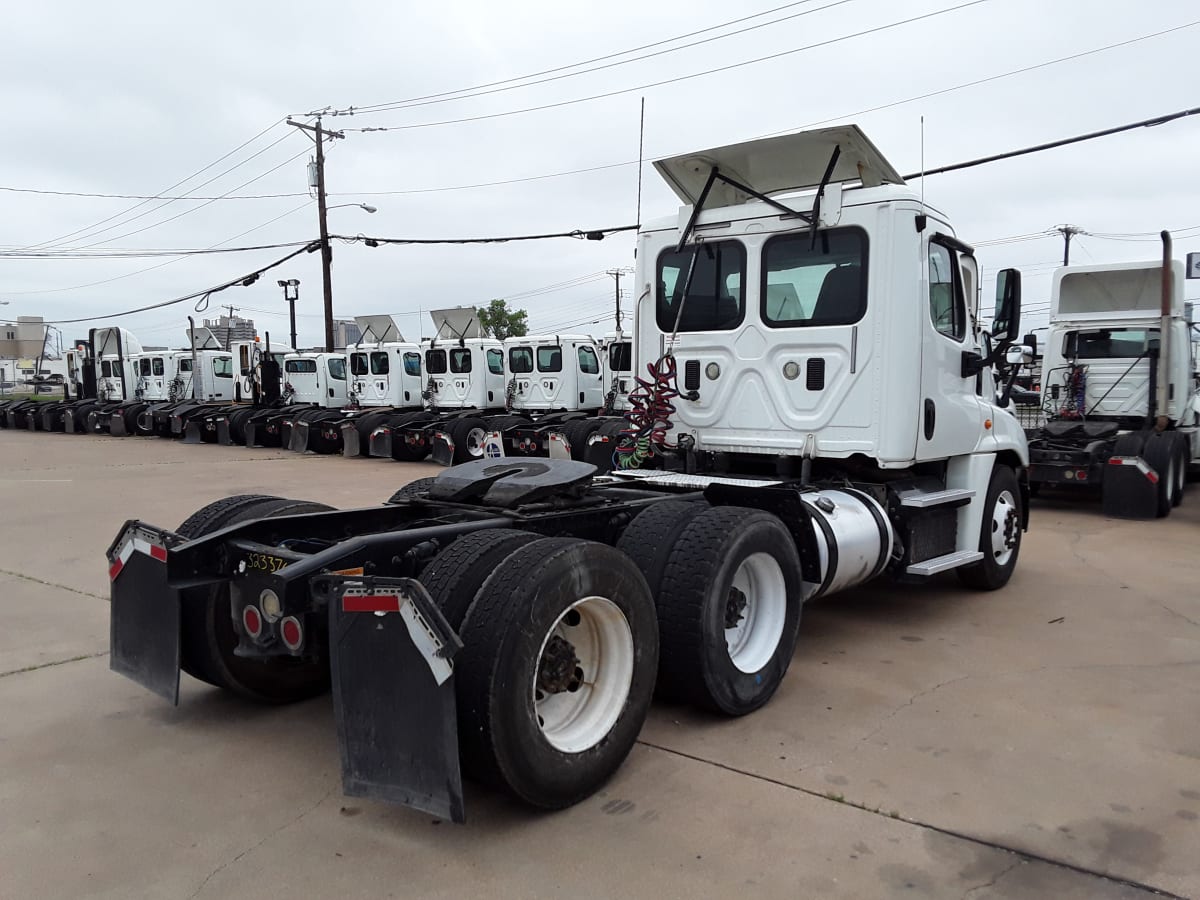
x,y
513,618
1120,387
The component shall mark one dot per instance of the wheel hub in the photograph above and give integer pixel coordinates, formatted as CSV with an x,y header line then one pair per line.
x,y
559,670
735,607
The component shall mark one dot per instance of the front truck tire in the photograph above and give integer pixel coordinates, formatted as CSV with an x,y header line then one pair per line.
x,y
208,638
729,610
999,533
560,650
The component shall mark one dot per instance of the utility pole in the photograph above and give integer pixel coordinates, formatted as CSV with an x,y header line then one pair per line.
x,y
319,135
616,274
1068,232
229,307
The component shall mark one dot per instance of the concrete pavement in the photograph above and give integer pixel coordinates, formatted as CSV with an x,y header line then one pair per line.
x,y
1039,741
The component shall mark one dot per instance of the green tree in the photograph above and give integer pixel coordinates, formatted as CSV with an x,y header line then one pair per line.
x,y
498,321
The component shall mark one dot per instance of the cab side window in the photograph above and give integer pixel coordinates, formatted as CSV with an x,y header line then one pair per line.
x,y
947,308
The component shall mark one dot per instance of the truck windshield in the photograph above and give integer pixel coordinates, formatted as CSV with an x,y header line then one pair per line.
x,y
1109,343
520,360
435,362
815,284
714,298
460,361
302,366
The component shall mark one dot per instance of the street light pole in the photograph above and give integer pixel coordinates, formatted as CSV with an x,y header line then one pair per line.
x,y
291,293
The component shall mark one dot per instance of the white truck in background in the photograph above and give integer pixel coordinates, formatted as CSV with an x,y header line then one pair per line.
x,y
1120,387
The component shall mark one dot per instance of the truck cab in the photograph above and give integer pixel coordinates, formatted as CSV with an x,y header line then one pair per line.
x,y
463,369
549,373
1119,387
385,369
315,378
819,314
617,351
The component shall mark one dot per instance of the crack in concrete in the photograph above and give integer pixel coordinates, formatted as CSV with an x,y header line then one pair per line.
x,y
903,706
57,662
995,879
53,584
1023,855
1176,612
259,843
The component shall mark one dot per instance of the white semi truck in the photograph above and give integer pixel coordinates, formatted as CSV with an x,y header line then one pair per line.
x,y
834,422
1120,387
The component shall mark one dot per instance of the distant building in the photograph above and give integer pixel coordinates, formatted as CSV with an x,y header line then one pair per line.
x,y
231,328
345,333
22,339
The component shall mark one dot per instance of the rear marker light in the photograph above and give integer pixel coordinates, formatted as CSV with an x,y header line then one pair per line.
x,y
291,632
252,622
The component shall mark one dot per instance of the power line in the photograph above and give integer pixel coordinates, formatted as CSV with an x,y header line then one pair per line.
x,y
484,90
595,234
244,280
45,191
890,105
677,79
188,212
78,231
159,265
147,253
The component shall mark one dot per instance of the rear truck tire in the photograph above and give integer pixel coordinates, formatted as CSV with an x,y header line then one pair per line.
x,y
368,422
999,534
416,488
458,572
402,451
468,435
1161,455
237,424
560,650
729,610
208,638
577,432
1181,467
649,539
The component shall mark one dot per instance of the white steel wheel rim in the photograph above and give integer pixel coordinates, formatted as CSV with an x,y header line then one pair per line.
x,y
475,439
754,637
1003,513
575,720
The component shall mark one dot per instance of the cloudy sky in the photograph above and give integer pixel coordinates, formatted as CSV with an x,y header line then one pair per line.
x,y
144,100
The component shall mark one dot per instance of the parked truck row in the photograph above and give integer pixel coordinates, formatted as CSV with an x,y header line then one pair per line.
x,y
819,408
384,396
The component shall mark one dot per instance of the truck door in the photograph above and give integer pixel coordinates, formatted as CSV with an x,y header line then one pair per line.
x,y
591,378
335,381
951,418
409,386
222,386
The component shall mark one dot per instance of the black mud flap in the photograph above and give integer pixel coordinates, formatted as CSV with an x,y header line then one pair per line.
x,y
443,449
391,655
224,438
144,629
351,440
380,443
1129,489
298,440
116,425
192,432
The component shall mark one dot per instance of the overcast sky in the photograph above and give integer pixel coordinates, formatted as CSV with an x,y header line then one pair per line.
x,y
133,98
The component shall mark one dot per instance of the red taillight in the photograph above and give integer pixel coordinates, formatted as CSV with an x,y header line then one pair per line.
x,y
252,622
1081,475
291,632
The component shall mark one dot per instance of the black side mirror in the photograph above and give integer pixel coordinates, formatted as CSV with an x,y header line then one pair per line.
x,y
1006,322
1030,341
